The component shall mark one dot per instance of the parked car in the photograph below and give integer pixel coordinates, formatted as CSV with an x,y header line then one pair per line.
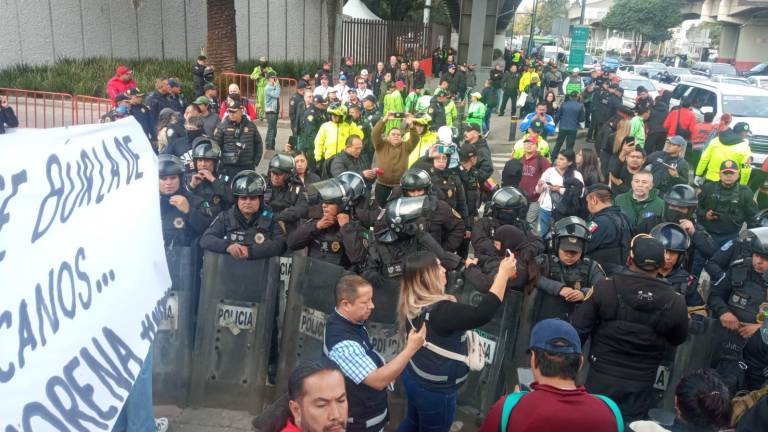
x,y
760,81
730,80
745,104
655,65
758,69
677,71
629,70
713,69
630,83
609,64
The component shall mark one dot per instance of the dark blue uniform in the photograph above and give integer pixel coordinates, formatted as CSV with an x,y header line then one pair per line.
x,y
142,115
608,243
261,233
179,228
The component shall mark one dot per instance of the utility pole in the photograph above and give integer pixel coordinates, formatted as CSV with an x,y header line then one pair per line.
x,y
427,10
529,48
583,11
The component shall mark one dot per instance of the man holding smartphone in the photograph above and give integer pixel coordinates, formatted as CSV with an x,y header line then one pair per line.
x,y
7,116
724,206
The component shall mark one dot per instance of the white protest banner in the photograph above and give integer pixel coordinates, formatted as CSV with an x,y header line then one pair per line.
x,y
82,273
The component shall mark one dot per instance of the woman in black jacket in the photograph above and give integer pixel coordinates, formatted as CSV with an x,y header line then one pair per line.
x,y
431,380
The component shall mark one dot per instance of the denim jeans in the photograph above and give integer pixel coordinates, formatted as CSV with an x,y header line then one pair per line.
x,y
137,415
271,130
545,220
428,411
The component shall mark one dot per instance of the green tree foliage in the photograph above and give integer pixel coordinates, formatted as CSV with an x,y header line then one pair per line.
x,y
548,12
649,20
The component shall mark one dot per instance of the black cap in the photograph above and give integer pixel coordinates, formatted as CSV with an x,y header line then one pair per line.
x,y
209,86
536,126
133,92
742,127
472,126
319,99
301,84
729,165
122,97
234,104
371,98
572,244
646,252
596,187
466,151
173,83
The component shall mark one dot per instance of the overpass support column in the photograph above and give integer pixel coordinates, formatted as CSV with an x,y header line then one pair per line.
x,y
729,41
477,28
753,44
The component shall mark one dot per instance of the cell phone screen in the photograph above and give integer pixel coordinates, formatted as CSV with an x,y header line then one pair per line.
x,y
524,376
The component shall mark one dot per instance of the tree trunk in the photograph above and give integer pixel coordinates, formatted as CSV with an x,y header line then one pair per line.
x,y
222,35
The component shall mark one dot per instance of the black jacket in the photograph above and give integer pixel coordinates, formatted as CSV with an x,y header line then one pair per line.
x,y
7,119
240,143
261,233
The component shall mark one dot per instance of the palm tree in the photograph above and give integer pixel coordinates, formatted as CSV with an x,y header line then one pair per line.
x,y
222,35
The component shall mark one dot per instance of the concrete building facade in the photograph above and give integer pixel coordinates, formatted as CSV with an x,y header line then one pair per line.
x,y
41,31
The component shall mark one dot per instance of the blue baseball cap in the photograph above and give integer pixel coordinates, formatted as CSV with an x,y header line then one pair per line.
x,y
555,336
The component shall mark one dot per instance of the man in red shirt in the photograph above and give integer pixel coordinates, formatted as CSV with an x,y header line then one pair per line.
x,y
682,116
533,165
556,402
121,82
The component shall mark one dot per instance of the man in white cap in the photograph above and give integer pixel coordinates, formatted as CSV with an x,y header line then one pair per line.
x,y
574,83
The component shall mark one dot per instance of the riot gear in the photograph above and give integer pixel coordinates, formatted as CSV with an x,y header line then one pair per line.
x,y
169,165
354,184
281,164
248,183
571,227
759,241
327,191
672,236
762,218
401,215
337,109
205,148
680,195
415,179
510,199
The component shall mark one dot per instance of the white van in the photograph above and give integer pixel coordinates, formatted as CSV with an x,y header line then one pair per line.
x,y
744,103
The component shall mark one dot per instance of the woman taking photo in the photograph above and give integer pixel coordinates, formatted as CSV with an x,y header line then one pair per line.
x,y
558,186
432,381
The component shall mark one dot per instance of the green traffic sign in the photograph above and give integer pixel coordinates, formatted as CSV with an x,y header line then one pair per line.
x,y
579,38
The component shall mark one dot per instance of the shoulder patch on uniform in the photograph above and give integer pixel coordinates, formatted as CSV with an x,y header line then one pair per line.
x,y
727,245
259,238
593,227
178,223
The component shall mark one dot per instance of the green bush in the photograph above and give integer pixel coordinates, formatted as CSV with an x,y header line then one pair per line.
x,y
89,77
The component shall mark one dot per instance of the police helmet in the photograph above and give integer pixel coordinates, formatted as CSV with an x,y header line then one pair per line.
x,y
403,210
281,164
169,165
571,226
682,195
762,218
422,119
327,191
353,183
415,178
337,108
248,183
672,236
204,148
759,241
509,198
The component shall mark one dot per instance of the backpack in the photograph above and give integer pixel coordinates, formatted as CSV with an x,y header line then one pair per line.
x,y
513,398
743,401
475,358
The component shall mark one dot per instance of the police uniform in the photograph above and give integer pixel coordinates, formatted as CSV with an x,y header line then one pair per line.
x,y
240,143
631,318
142,115
112,116
743,293
296,107
311,120
732,250
447,185
436,110
342,246
608,243
179,228
260,233
288,202
733,206
214,197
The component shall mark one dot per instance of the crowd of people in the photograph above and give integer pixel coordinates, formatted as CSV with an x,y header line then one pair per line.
x,y
394,182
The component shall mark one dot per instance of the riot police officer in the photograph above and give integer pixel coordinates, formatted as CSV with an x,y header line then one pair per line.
x,y
739,301
399,232
676,243
631,317
361,205
507,206
610,230
445,181
182,217
566,274
444,224
240,141
285,194
733,250
206,183
311,120
436,109
141,113
330,234
370,116
249,229
680,207
724,206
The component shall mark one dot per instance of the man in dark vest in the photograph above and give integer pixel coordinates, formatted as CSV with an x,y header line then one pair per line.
x,y
347,343
610,230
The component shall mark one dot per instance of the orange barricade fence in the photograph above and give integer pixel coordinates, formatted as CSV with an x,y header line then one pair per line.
x,y
248,89
38,109
89,109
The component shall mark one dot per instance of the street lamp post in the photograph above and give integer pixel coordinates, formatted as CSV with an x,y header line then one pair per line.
x,y
529,48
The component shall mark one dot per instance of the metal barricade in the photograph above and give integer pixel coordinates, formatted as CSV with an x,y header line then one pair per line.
x,y
234,328
287,90
248,89
172,367
39,109
89,109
